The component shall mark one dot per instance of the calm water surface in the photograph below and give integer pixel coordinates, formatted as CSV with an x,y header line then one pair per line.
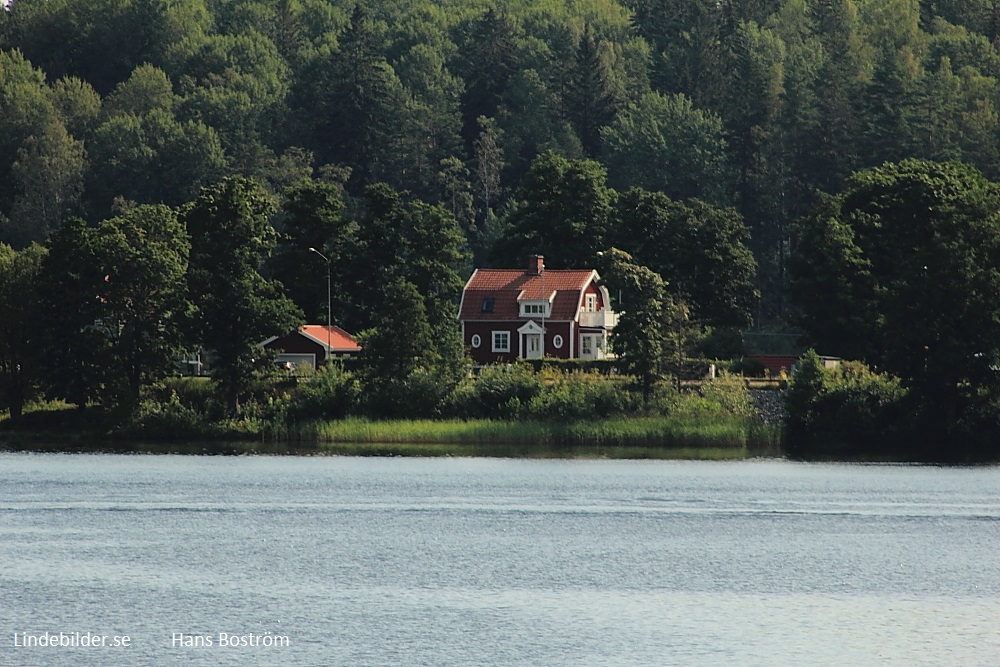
x,y
498,562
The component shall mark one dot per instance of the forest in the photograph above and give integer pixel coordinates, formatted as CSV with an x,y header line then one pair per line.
x,y
412,141
751,104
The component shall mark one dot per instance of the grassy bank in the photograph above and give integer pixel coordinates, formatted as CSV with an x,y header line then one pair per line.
x,y
640,432
696,431
641,437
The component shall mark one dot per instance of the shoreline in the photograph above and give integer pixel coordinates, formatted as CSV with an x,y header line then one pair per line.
x,y
637,438
388,450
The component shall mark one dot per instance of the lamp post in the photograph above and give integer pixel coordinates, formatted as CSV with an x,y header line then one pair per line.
x,y
329,321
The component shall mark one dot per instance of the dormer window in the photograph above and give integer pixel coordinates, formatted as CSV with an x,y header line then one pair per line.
x,y
487,305
530,308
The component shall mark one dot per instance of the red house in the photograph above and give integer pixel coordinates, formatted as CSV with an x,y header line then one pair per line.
x,y
509,314
312,344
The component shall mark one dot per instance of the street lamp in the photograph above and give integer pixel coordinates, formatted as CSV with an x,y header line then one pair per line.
x,y
329,321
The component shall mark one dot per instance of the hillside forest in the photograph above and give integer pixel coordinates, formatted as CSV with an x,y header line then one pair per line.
x,y
208,145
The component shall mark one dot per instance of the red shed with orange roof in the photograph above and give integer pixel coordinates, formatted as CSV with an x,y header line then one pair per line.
x,y
313,344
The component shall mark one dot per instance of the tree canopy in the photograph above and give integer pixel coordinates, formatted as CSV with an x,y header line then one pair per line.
x,y
900,271
760,106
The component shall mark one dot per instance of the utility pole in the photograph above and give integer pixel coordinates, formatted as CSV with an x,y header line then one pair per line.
x,y
329,320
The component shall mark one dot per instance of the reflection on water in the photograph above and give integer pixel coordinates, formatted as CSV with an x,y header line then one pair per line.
x,y
499,562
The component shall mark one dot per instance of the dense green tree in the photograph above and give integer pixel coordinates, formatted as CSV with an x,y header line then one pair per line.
x,y
529,123
919,255
976,15
437,258
237,307
453,178
937,125
490,58
489,162
563,212
237,85
312,217
594,94
143,256
962,48
27,111
421,244
152,159
640,337
432,126
890,111
101,41
390,358
76,351
750,107
845,412
46,33
354,103
21,322
699,250
146,89
115,294
78,105
827,261
842,74
662,143
686,36
48,174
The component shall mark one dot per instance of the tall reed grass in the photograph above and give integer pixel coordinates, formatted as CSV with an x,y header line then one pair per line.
x,y
643,432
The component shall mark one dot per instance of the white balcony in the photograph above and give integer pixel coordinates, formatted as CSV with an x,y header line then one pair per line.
x,y
605,319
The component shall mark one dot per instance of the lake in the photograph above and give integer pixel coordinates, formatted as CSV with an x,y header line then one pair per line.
x,y
489,562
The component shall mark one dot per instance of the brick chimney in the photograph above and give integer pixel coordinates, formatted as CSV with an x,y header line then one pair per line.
x,y
536,264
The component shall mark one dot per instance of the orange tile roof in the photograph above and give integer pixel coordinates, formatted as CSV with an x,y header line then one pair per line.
x,y
340,340
506,286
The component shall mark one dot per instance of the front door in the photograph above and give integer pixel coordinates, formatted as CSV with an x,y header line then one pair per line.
x,y
532,346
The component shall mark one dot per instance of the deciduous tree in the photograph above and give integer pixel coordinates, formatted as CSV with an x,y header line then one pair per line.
x,y
237,307
700,250
564,211
21,324
915,245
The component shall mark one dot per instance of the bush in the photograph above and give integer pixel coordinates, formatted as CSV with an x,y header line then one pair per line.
x,y
725,398
730,394
498,392
847,411
570,397
168,419
197,393
331,393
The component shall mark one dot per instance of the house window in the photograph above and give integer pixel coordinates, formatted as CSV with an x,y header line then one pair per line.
x,y
586,345
476,341
533,309
591,306
557,341
501,341
487,305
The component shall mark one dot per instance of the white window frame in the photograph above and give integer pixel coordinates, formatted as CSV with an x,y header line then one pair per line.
x,y
502,337
557,341
591,303
476,341
538,308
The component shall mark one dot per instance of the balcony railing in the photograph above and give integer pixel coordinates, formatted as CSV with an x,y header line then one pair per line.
x,y
606,319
